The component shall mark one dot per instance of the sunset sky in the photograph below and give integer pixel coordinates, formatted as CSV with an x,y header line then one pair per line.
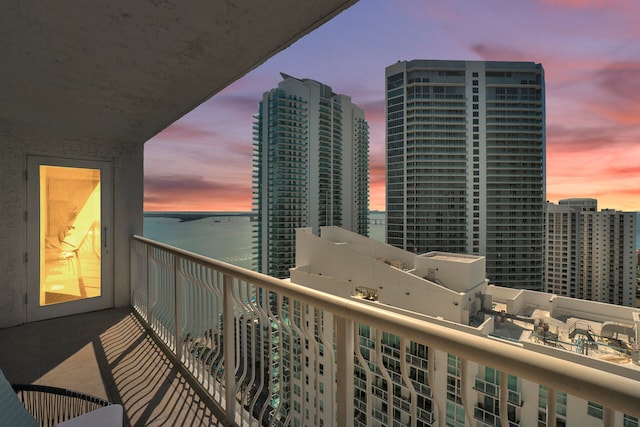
x,y
590,50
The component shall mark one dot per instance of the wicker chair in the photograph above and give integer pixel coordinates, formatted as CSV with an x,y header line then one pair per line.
x,y
53,405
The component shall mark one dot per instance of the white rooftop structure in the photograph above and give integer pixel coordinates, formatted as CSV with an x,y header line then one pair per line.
x,y
451,291
454,287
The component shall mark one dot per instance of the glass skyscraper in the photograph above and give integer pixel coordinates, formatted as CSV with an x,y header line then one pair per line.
x,y
310,168
466,163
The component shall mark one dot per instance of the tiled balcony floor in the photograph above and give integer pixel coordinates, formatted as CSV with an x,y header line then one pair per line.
x,y
106,354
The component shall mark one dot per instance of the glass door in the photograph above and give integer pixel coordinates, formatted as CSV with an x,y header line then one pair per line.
x,y
69,255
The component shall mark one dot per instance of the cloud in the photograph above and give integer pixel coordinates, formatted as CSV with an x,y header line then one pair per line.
x,y
247,104
377,171
183,131
495,52
619,83
374,111
580,4
171,192
377,183
623,171
563,138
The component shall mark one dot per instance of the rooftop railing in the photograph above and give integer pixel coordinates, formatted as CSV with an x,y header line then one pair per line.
x,y
268,351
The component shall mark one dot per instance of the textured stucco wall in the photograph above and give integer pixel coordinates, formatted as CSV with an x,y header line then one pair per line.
x,y
15,147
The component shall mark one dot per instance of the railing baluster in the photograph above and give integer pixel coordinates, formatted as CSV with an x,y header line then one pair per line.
x,y
148,284
551,406
344,359
229,354
504,395
178,279
467,402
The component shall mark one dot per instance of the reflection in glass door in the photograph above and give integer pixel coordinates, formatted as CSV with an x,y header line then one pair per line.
x,y
69,257
70,233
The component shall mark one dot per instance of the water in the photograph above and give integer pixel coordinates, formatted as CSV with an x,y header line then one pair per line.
x,y
225,238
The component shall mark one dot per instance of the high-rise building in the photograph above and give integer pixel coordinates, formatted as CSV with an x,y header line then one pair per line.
x,y
310,168
466,163
400,382
591,254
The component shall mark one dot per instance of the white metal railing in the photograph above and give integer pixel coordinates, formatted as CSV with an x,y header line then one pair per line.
x,y
268,351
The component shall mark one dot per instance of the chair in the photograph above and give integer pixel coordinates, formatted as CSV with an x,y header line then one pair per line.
x,y
33,405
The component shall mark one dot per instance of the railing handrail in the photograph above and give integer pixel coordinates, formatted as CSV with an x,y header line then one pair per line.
x,y
608,389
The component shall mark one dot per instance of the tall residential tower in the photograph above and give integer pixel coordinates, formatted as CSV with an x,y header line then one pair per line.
x,y
591,254
466,163
310,168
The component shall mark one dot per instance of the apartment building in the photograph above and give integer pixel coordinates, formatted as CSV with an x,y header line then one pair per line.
x,y
466,163
591,254
310,168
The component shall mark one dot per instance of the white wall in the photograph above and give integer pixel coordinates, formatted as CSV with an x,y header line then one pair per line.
x,y
127,159
326,265
455,274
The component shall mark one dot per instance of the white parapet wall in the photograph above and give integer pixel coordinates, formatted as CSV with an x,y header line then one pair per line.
x,y
347,264
455,271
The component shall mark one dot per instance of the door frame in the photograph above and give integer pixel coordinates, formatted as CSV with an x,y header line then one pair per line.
x,y
34,311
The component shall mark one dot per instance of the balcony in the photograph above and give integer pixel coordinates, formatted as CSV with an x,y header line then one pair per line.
x,y
110,355
165,358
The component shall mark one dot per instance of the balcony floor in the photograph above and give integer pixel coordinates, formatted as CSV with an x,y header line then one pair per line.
x,y
106,354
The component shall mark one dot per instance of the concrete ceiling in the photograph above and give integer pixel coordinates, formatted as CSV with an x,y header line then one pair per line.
x,y
123,70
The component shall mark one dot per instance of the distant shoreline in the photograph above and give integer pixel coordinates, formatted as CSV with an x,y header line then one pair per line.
x,y
185,216
192,216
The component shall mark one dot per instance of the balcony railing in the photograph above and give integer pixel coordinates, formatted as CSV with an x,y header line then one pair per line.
x,y
268,351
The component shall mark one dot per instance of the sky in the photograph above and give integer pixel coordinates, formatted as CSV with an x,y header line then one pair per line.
x,y
590,50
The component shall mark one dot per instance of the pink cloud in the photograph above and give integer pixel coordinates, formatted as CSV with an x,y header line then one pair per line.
x,y
174,192
580,4
497,52
182,131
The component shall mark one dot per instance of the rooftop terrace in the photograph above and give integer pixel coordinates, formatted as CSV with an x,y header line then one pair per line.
x,y
608,341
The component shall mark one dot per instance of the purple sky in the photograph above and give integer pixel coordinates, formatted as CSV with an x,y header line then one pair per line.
x,y
590,50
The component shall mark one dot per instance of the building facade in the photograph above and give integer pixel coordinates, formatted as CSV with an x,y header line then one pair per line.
x,y
310,168
591,254
466,163
400,382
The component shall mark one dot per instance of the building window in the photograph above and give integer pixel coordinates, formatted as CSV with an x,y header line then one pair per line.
x,y
629,421
595,410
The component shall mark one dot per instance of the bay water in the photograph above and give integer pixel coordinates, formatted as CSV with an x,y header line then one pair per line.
x,y
225,238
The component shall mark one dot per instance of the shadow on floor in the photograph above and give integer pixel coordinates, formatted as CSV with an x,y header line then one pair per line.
x,y
108,354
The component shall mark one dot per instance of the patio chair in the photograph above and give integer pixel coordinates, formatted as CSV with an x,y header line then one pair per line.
x,y
33,405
